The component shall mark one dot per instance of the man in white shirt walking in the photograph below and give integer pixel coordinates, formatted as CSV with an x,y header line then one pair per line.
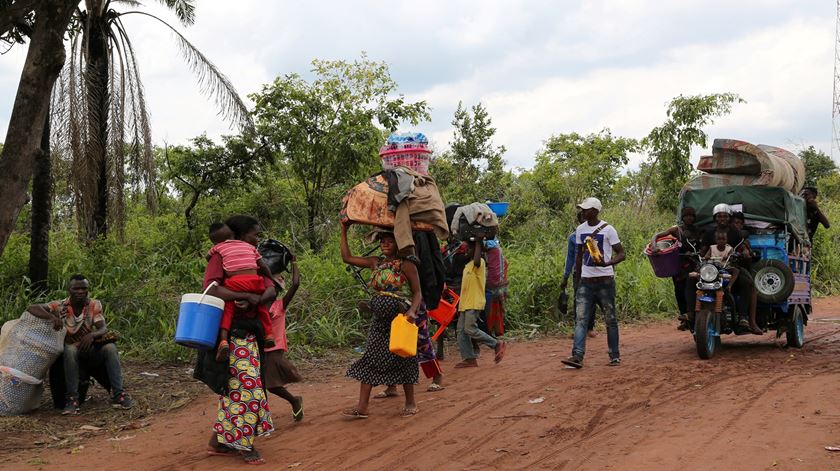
x,y
597,280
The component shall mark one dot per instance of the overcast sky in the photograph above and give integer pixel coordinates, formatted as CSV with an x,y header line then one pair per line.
x,y
540,67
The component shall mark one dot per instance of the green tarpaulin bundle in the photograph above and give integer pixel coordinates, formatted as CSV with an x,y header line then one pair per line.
x,y
760,203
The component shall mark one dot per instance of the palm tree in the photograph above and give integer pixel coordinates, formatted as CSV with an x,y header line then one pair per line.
x,y
101,122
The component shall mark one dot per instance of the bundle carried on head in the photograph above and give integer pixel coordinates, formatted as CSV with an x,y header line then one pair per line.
x,y
474,220
276,255
408,149
403,197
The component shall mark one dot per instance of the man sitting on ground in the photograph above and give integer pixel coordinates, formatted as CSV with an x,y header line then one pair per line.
x,y
82,318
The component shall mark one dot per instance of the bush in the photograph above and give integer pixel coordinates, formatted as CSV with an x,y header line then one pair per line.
x,y
141,279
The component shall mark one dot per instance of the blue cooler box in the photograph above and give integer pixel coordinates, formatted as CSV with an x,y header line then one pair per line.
x,y
198,321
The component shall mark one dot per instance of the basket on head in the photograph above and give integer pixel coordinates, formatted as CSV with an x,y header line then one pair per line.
x,y
406,150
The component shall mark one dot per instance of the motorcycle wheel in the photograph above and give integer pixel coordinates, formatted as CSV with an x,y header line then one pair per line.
x,y
704,334
796,328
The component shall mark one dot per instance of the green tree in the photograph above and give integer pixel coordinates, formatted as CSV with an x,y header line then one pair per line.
x,y
632,187
103,121
327,131
817,165
17,20
473,169
571,166
206,168
669,145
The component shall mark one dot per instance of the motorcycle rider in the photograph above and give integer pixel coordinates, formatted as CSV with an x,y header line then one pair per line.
x,y
743,286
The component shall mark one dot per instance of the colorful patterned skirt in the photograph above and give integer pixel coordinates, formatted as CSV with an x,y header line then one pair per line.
x,y
243,413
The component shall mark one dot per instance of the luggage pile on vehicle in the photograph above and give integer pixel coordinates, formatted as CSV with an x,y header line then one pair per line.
x,y
735,162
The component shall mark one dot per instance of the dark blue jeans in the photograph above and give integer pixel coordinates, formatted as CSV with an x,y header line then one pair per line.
x,y
106,354
587,295
591,313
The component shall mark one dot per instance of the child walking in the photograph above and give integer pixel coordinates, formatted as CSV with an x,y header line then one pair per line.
x,y
279,371
471,306
244,272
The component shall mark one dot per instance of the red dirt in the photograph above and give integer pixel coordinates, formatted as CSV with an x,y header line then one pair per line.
x,y
756,405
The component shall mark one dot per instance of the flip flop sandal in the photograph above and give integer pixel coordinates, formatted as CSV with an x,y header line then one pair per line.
x,y
435,387
297,416
353,414
252,457
385,395
409,412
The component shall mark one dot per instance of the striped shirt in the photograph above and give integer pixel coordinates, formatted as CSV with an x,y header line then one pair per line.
x,y
236,255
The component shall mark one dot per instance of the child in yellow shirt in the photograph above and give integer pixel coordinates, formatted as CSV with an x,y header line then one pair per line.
x,y
471,306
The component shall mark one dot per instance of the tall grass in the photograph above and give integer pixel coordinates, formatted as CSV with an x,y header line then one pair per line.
x,y
825,270
140,281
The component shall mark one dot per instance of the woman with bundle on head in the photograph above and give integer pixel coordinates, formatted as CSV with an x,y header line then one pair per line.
x,y
396,289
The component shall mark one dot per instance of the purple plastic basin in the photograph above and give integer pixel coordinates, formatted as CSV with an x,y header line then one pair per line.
x,y
666,263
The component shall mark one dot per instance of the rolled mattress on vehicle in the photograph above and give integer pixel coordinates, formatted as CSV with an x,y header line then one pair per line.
x,y
709,180
735,162
367,203
795,163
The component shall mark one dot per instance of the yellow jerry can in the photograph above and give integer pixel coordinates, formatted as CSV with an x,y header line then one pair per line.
x,y
403,337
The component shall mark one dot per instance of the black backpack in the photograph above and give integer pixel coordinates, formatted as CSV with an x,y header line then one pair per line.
x,y
276,255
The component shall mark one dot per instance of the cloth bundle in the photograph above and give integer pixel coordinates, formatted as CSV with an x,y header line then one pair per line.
x,y
414,197
475,213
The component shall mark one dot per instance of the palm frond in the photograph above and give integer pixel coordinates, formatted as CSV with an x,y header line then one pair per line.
x,y
116,167
211,80
184,10
141,148
131,3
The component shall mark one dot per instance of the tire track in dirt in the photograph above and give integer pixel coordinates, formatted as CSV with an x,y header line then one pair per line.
x,y
679,394
594,421
685,392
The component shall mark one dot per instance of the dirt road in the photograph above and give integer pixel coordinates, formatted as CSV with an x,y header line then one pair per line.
x,y
756,405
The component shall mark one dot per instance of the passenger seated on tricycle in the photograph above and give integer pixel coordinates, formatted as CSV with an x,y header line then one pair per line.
x,y
744,288
721,252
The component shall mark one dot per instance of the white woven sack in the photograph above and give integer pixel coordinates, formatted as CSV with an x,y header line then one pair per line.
x,y
29,345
